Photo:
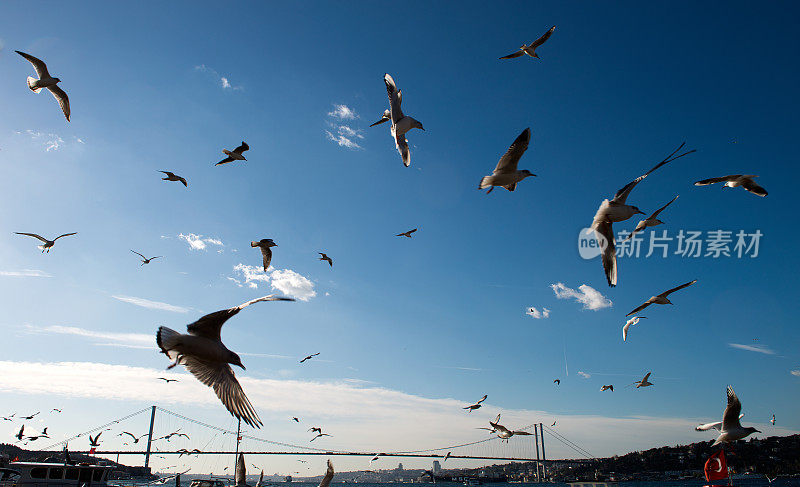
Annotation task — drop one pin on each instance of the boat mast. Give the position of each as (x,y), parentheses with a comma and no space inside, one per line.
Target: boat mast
(150,437)
(238,439)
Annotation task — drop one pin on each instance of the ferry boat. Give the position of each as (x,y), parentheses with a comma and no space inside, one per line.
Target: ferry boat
(36,474)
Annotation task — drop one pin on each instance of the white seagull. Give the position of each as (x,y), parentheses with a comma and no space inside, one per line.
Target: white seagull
(734,180)
(629,324)
(716,425)
(505,174)
(644,382)
(732,430)
(661,298)
(650,221)
(46,81)
(530,49)
(616,210)
(208,359)
(400,123)
(504,433)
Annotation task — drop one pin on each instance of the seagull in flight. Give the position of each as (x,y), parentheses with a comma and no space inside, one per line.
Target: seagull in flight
(400,123)
(324,256)
(235,154)
(309,357)
(145,260)
(446,456)
(617,210)
(208,359)
(31,416)
(732,430)
(644,382)
(661,298)
(171,176)
(734,180)
(55,410)
(505,174)
(607,388)
(504,433)
(554,423)
(315,429)
(21,431)
(168,380)
(377,457)
(266,251)
(387,116)
(326,480)
(133,437)
(716,425)
(46,81)
(475,406)
(557,382)
(771,420)
(406,234)
(319,435)
(530,49)
(629,324)
(650,221)
(95,441)
(295,419)
(8,418)
(47,243)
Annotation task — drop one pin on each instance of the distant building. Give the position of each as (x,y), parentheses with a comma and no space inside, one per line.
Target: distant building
(399,467)
(437,467)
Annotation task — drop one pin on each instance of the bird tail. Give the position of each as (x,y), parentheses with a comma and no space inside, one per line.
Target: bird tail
(31,81)
(484,183)
(167,339)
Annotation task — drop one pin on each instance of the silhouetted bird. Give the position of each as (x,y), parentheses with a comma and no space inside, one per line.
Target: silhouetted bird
(530,49)
(46,81)
(235,155)
(47,243)
(266,252)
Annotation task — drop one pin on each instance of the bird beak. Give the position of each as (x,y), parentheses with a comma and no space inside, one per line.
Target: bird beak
(242,366)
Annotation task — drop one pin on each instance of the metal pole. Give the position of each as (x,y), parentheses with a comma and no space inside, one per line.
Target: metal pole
(536,436)
(544,459)
(150,437)
(238,437)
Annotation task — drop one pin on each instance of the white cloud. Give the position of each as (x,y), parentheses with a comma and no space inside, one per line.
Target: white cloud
(795,373)
(342,140)
(286,281)
(251,274)
(343,112)
(223,81)
(586,295)
(753,348)
(50,141)
(197,242)
(584,374)
(146,303)
(348,132)
(25,273)
(535,313)
(134,340)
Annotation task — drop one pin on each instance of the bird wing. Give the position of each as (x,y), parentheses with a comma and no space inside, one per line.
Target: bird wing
(169,174)
(387,115)
(221,378)
(224,161)
(723,179)
(730,418)
(266,257)
(646,377)
(64,235)
(242,148)
(643,306)
(38,64)
(183,180)
(513,55)
(753,187)
(625,330)
(482,399)
(538,42)
(394,100)
(605,229)
(140,255)
(708,426)
(623,193)
(667,293)
(210,325)
(508,163)
(402,147)
(33,235)
(62,98)
(655,214)
(129,434)
(326,480)
(523,433)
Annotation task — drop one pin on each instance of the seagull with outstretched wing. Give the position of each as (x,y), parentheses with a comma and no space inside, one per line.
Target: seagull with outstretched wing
(736,180)
(650,221)
(661,298)
(530,49)
(145,260)
(505,174)
(171,176)
(48,244)
(235,154)
(46,81)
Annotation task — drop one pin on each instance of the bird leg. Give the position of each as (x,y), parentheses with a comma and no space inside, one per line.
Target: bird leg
(177,361)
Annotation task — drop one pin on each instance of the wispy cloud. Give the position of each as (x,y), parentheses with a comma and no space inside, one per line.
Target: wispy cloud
(753,348)
(198,242)
(286,281)
(795,373)
(343,112)
(535,313)
(224,81)
(111,338)
(250,274)
(49,141)
(146,303)
(586,295)
(583,374)
(25,273)
(342,134)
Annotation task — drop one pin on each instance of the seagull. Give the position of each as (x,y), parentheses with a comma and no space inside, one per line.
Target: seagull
(31,416)
(46,81)
(557,382)
(629,324)
(717,425)
(47,243)
(324,256)
(320,434)
(554,423)
(295,419)
(400,123)
(208,359)
(315,429)
(21,430)
(55,410)
(769,480)
(168,380)
(732,430)
(505,174)
(171,176)
(266,252)
(145,260)
(326,480)
(477,405)
(133,437)
(734,180)
(446,456)
(504,433)
(387,115)
(616,210)
(644,382)
(406,234)
(309,357)
(377,457)
(607,388)
(771,420)
(8,418)
(661,298)
(530,49)
(650,221)
(235,155)
(95,441)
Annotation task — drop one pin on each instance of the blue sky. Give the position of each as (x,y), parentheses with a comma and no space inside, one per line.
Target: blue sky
(435,318)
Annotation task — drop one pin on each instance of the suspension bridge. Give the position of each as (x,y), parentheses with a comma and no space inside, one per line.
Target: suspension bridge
(218,442)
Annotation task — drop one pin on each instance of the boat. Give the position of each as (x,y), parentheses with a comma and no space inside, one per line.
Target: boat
(592,483)
(38,474)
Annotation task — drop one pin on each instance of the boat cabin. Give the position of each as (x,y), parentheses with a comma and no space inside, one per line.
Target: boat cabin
(34,474)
